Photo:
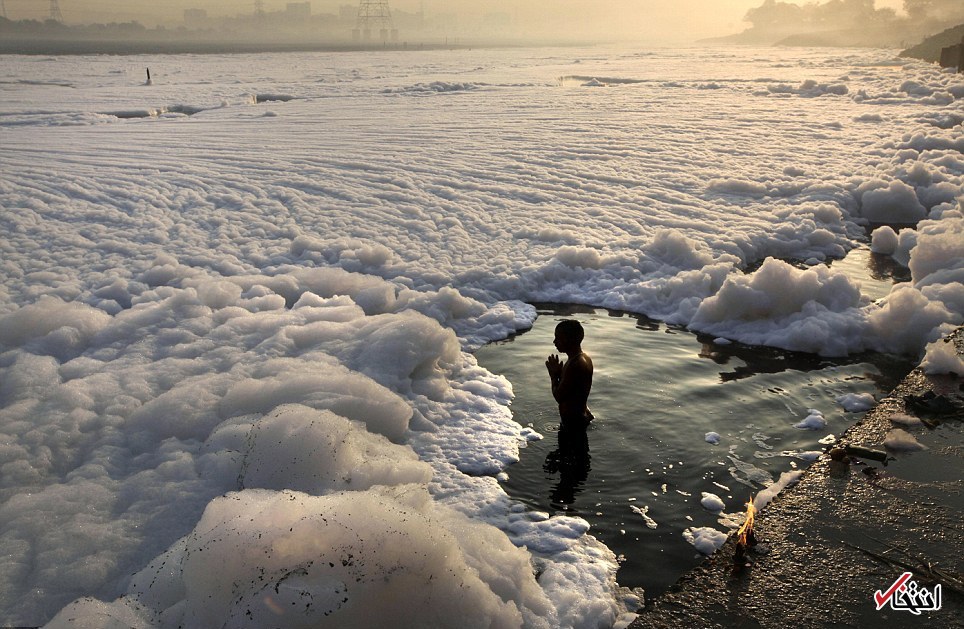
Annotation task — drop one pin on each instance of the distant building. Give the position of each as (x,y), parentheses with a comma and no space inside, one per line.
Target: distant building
(298,10)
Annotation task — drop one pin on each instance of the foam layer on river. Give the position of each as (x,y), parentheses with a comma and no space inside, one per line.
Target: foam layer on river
(264,275)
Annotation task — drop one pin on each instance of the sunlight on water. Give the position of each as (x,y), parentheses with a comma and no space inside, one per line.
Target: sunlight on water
(657,392)
(876,273)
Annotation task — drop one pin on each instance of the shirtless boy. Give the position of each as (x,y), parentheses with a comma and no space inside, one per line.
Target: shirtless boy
(571,381)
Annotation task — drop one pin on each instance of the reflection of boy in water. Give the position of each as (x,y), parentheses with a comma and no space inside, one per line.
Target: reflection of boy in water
(570,387)
(571,381)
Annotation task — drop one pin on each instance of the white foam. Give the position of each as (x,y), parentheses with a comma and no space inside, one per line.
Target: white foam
(705,539)
(884,240)
(712,502)
(900,440)
(810,89)
(156,327)
(904,419)
(298,448)
(643,512)
(747,473)
(942,357)
(857,402)
(433,88)
(907,319)
(355,558)
(893,202)
(813,421)
(766,495)
(63,328)
(811,310)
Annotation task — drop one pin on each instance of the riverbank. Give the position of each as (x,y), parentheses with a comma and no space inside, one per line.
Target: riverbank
(846,531)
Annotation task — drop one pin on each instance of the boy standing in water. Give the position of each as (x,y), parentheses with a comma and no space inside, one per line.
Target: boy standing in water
(571,381)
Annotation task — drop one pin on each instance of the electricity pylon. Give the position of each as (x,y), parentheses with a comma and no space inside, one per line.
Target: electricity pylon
(374,14)
(55,14)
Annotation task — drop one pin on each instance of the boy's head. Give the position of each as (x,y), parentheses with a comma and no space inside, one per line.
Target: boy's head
(569,334)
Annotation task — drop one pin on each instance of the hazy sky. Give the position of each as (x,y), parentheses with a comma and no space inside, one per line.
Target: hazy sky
(659,20)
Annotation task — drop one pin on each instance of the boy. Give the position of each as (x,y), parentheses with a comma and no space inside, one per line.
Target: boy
(571,381)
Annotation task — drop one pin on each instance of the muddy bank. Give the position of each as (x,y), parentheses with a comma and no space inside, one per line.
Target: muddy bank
(848,530)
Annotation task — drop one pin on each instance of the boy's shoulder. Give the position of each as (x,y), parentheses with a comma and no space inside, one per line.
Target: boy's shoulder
(583,359)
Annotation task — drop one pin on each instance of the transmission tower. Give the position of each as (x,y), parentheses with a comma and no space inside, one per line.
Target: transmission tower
(374,14)
(55,14)
(3,10)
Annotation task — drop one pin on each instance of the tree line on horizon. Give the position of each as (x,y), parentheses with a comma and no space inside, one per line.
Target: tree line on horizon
(845,23)
(844,14)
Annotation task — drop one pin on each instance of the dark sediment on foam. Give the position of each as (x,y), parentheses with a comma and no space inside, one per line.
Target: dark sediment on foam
(846,531)
(601,79)
(273,98)
(187,110)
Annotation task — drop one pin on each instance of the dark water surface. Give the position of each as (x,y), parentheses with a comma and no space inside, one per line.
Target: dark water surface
(657,391)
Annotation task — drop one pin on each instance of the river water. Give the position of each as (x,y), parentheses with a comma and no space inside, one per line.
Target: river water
(657,391)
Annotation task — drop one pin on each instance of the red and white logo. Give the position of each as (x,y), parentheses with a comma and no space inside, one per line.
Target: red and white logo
(905,595)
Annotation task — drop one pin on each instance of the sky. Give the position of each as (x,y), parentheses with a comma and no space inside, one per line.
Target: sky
(669,20)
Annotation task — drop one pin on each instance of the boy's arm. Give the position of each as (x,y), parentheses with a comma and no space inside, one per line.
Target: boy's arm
(555,368)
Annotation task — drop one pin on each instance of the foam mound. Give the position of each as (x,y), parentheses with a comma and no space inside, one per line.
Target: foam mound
(779,305)
(356,559)
(942,357)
